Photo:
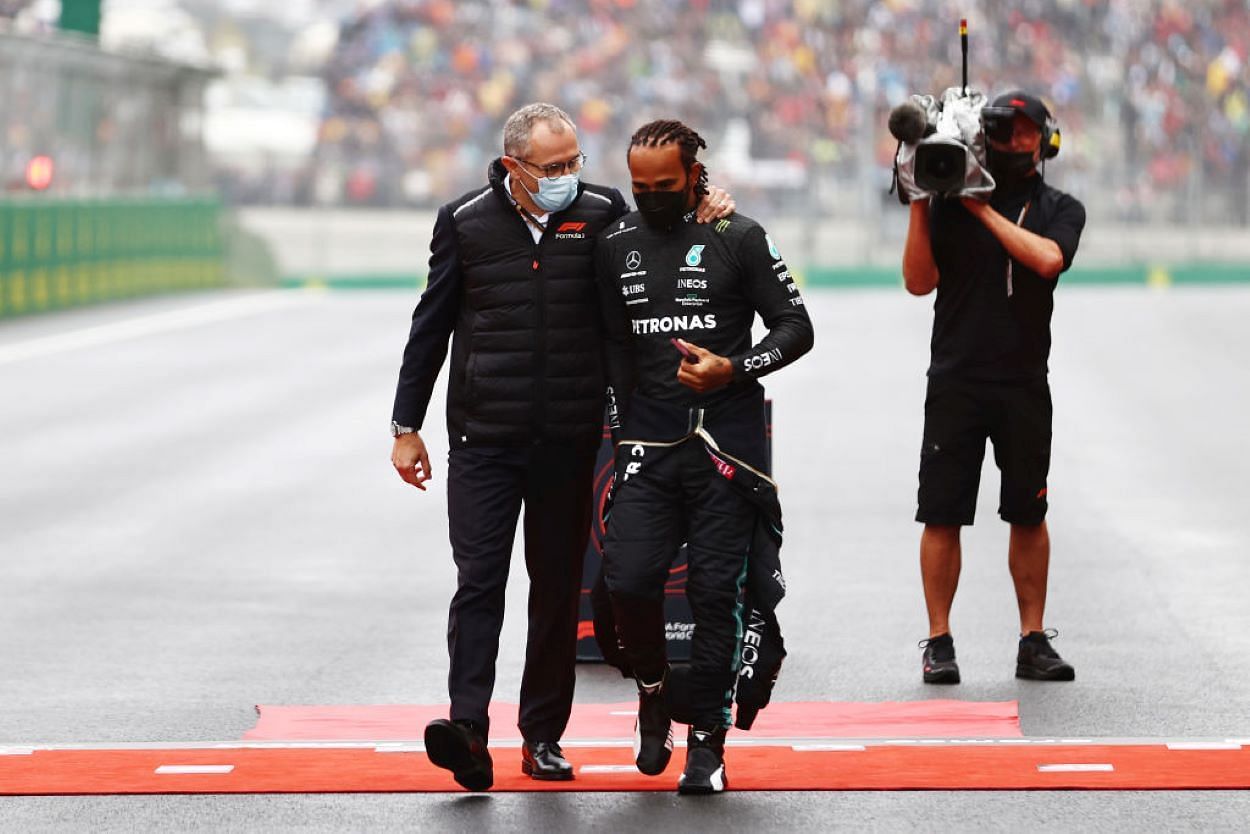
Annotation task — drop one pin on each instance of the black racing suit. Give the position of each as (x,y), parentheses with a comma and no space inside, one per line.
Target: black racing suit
(678,450)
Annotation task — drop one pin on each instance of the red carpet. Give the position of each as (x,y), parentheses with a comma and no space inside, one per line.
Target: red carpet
(938,745)
(992,766)
(921,719)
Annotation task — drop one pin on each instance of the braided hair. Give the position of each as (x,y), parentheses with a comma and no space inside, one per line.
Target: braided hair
(667,132)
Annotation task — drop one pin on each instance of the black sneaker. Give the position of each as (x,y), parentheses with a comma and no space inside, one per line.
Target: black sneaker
(939,659)
(460,746)
(705,762)
(1037,660)
(653,731)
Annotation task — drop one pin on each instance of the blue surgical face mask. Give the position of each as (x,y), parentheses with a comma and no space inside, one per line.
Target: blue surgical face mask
(557,194)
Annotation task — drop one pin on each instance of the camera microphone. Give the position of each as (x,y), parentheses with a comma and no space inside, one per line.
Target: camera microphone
(908,123)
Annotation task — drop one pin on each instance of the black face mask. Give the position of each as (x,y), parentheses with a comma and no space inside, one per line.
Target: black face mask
(661,209)
(1010,167)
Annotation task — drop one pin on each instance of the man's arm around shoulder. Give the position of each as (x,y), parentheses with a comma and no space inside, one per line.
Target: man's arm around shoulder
(617,347)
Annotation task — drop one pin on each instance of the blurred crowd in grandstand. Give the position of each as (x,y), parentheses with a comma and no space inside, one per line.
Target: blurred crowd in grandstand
(1153,95)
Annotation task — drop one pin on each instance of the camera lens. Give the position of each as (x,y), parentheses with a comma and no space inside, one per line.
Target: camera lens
(940,166)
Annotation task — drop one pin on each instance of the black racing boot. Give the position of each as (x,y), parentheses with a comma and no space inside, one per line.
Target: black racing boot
(653,731)
(1037,660)
(705,762)
(460,746)
(939,659)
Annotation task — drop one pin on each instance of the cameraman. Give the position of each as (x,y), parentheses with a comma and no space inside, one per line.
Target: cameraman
(995,266)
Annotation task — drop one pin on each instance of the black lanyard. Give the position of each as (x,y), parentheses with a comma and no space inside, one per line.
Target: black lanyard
(529,218)
(524,212)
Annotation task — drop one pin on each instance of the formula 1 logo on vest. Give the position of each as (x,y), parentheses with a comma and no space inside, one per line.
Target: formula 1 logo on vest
(571,230)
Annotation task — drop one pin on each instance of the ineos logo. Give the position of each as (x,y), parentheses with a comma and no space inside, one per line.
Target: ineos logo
(752,640)
(633,260)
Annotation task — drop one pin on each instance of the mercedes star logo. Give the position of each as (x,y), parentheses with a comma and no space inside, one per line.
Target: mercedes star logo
(633,260)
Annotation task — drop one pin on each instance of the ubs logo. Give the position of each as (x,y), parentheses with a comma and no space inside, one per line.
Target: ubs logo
(633,260)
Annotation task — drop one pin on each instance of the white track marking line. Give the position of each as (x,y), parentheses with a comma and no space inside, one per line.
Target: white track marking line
(630,712)
(1075,768)
(103,334)
(17,751)
(188,770)
(607,769)
(503,744)
(828,748)
(264,745)
(399,748)
(1203,745)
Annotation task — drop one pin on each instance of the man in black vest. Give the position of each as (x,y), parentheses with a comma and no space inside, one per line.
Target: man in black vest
(511,279)
(994,265)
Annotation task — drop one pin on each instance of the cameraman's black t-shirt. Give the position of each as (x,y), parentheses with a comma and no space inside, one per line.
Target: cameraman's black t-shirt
(980,329)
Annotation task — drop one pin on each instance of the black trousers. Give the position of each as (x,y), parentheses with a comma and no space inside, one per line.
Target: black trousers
(486,488)
(671,496)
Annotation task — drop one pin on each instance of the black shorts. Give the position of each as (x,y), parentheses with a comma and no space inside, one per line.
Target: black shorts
(958,416)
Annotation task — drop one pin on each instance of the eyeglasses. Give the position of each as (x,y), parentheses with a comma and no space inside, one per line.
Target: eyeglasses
(558,169)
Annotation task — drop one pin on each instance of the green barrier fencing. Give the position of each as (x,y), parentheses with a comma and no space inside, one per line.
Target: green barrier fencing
(57,253)
(363,281)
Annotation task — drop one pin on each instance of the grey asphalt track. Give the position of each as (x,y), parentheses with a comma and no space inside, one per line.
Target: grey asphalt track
(197,515)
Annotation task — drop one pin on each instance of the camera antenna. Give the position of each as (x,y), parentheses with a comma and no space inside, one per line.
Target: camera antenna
(963,45)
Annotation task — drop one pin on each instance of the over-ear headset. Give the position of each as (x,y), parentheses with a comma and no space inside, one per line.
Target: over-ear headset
(1051,137)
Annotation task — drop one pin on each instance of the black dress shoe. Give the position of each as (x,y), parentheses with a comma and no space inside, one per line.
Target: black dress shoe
(460,746)
(545,760)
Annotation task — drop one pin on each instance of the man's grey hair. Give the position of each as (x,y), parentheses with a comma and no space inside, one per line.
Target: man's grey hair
(520,126)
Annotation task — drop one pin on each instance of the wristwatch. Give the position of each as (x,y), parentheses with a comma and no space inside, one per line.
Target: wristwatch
(397,429)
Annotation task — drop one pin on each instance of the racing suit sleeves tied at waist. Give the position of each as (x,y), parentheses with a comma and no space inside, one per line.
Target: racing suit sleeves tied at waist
(736,424)
(734,434)
(762,649)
